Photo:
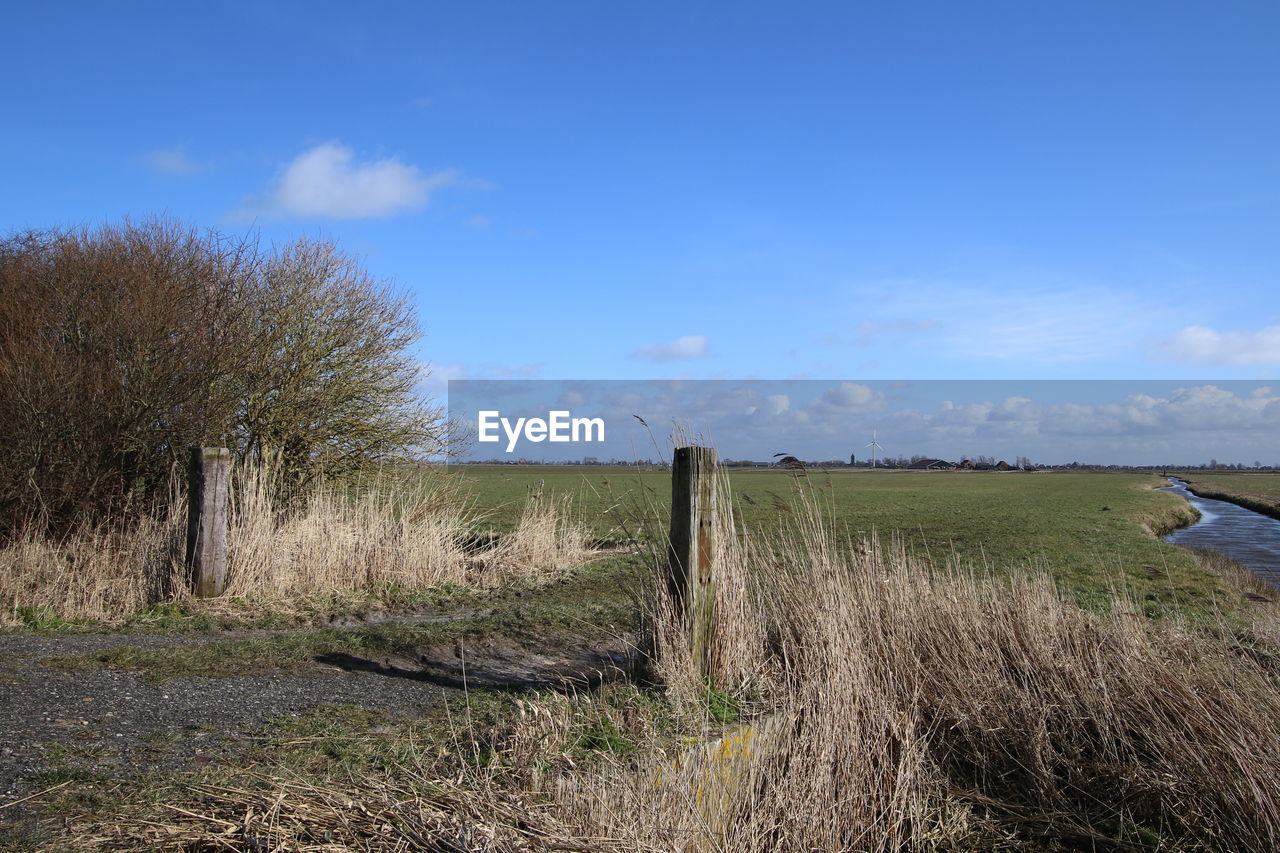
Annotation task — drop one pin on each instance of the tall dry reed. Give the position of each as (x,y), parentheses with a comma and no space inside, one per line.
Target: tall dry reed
(103,571)
(385,535)
(899,707)
(388,537)
(549,537)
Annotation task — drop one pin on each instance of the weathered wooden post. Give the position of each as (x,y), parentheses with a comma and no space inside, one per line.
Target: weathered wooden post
(207,520)
(692,558)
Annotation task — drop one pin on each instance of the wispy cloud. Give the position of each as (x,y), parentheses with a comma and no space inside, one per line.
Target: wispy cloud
(172,161)
(326,182)
(1025,321)
(435,377)
(1204,345)
(690,346)
(478,221)
(524,371)
(869,331)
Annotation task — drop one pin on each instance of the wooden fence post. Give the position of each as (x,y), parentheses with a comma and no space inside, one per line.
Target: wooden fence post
(209,474)
(692,558)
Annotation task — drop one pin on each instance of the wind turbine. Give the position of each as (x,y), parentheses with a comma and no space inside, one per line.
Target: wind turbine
(874,445)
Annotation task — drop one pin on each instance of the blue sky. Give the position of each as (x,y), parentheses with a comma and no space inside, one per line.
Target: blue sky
(857,191)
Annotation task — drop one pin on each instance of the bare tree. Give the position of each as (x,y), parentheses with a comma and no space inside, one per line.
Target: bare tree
(328,381)
(122,345)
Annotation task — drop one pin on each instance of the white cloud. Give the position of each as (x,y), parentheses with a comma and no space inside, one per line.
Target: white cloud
(478,221)
(869,330)
(851,395)
(1203,345)
(325,182)
(172,161)
(690,346)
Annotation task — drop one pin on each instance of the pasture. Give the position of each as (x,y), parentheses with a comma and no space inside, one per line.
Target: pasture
(1090,531)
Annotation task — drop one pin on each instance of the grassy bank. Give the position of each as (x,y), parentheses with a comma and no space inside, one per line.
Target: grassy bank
(899,707)
(404,539)
(1259,492)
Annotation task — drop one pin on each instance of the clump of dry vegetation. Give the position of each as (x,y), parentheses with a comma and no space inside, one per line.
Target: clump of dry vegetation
(386,537)
(902,708)
(549,537)
(100,571)
(404,809)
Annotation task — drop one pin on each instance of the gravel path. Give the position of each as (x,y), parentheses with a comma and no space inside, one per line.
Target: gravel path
(113,721)
(118,720)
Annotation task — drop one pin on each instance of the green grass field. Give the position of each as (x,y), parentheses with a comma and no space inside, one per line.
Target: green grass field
(1087,529)
(1256,491)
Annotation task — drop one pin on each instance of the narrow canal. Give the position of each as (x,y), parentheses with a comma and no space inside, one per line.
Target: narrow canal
(1248,537)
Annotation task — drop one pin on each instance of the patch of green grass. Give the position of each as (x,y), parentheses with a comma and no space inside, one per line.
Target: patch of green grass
(24,837)
(228,658)
(61,755)
(602,735)
(722,706)
(45,620)
(1091,531)
(1258,491)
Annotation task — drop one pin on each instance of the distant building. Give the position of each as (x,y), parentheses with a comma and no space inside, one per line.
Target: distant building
(931,465)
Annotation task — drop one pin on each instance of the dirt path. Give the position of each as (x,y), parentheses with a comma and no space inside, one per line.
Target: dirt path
(115,722)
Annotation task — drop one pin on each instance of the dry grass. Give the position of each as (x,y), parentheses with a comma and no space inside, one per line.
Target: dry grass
(385,539)
(899,708)
(887,706)
(100,572)
(340,542)
(548,538)
(405,810)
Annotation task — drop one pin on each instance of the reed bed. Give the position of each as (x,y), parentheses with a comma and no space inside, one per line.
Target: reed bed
(883,705)
(387,538)
(899,707)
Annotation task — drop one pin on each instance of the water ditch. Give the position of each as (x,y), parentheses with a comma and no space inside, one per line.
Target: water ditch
(1250,538)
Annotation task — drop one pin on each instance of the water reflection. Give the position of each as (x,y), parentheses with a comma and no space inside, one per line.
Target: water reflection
(1249,538)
